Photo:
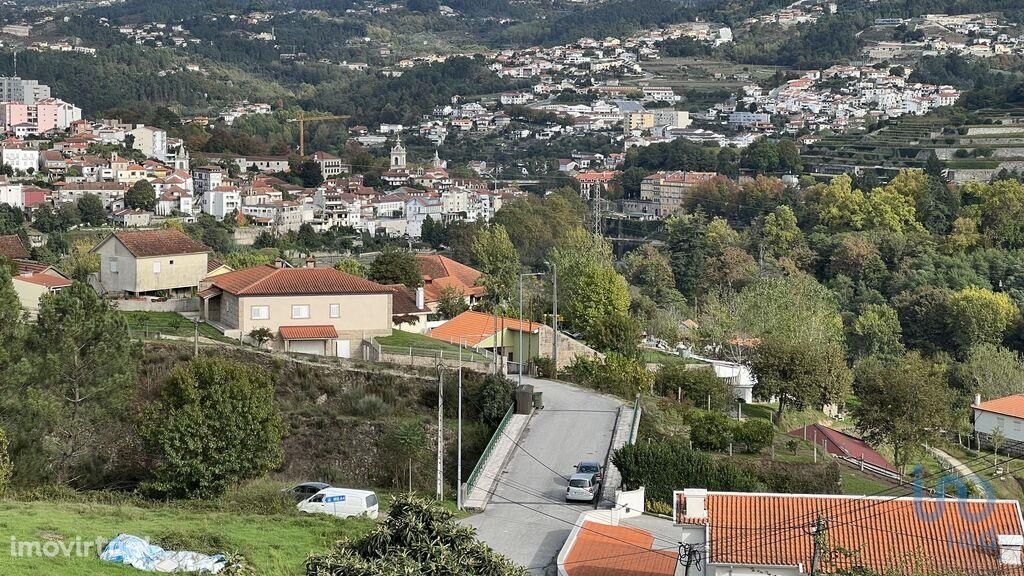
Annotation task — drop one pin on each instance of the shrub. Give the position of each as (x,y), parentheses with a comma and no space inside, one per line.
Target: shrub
(697,385)
(795,477)
(755,434)
(662,467)
(496,395)
(617,374)
(214,425)
(545,367)
(658,507)
(710,430)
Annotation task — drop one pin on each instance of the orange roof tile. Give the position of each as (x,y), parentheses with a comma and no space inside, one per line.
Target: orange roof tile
(48,280)
(308,332)
(267,280)
(471,327)
(440,271)
(1007,406)
(603,550)
(882,532)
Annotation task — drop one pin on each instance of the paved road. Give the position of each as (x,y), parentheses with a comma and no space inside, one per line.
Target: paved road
(527,518)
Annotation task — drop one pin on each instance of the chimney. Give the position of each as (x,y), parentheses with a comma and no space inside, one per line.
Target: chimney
(1009,549)
(419,298)
(693,503)
(977,399)
(310,261)
(279,263)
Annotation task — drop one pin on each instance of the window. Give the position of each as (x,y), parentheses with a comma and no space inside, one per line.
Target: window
(335,310)
(171,262)
(300,311)
(113,264)
(317,498)
(156,267)
(259,313)
(371,500)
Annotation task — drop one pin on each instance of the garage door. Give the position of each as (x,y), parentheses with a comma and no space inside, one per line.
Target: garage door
(307,346)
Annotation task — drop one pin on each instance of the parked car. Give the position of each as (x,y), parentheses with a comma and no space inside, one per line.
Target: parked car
(341,502)
(591,467)
(302,491)
(581,488)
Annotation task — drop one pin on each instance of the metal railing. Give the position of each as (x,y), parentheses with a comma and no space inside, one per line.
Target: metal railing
(435,353)
(471,481)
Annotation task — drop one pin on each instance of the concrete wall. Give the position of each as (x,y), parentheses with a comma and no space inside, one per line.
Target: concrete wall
(568,349)
(430,362)
(178,271)
(29,295)
(111,250)
(173,305)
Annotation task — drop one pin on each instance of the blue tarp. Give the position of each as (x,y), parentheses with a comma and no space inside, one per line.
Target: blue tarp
(136,552)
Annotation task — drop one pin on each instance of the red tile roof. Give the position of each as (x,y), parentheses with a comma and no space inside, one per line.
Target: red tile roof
(308,332)
(169,242)
(1007,406)
(842,444)
(404,301)
(603,550)
(884,533)
(440,271)
(267,280)
(12,247)
(472,327)
(47,280)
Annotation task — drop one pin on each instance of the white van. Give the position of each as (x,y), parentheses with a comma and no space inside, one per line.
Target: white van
(341,502)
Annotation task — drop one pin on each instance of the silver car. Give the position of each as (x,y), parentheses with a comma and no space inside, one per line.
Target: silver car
(581,488)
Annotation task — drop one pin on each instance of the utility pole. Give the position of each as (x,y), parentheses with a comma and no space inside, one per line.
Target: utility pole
(554,316)
(819,533)
(458,473)
(689,556)
(440,431)
(521,356)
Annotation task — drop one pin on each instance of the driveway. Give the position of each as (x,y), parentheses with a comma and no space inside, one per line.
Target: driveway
(527,518)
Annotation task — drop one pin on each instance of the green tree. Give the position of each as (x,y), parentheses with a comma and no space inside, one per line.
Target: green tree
(615,332)
(839,206)
(688,251)
(214,425)
(799,376)
(904,403)
(433,232)
(499,268)
(141,196)
(69,216)
(924,318)
(782,235)
(589,288)
(992,371)
(351,266)
(875,332)
(92,210)
(395,266)
(249,258)
(261,336)
(80,262)
(650,271)
(978,316)
(710,430)
(307,239)
(82,366)
(451,302)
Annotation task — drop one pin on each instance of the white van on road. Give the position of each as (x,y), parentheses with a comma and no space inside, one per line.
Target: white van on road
(341,502)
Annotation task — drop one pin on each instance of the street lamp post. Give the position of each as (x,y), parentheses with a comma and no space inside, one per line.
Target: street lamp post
(521,277)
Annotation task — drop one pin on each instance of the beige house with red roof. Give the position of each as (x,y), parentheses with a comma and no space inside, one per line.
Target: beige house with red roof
(752,534)
(318,311)
(440,272)
(151,262)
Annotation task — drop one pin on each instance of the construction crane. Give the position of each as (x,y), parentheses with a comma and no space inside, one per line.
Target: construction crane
(302,119)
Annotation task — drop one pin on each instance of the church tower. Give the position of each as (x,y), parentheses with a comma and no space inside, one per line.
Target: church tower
(398,156)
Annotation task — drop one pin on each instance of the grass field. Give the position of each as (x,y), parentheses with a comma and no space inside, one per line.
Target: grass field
(273,545)
(147,325)
(425,344)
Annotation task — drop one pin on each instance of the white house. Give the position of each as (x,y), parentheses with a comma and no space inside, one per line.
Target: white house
(222,201)
(739,377)
(20,158)
(1005,415)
